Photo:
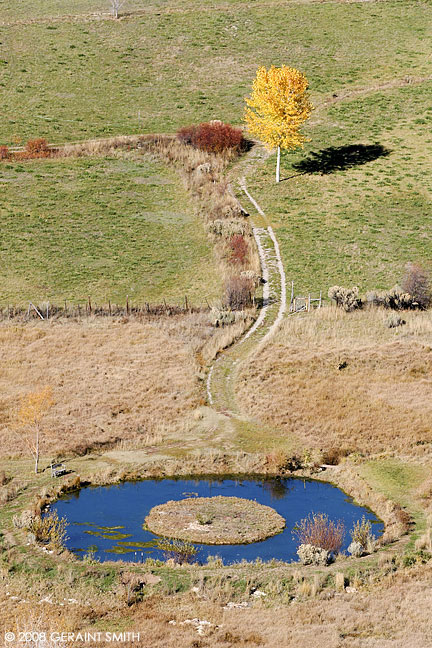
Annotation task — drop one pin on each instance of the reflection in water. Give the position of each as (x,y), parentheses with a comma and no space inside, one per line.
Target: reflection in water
(117,515)
(277,487)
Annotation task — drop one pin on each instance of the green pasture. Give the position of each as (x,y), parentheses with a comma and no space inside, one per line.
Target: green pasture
(68,76)
(353,207)
(182,62)
(100,227)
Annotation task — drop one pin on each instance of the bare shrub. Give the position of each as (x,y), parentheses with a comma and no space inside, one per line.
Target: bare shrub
(181,551)
(346,298)
(417,284)
(318,530)
(213,137)
(238,293)
(49,529)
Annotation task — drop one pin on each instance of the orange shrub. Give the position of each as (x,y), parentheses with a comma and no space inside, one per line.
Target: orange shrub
(36,148)
(4,153)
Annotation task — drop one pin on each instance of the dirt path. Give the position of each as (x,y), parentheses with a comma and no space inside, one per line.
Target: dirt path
(222,374)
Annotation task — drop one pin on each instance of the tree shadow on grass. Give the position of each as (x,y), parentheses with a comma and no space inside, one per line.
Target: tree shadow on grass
(338,158)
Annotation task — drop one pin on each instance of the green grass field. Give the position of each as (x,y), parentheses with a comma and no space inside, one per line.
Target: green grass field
(172,65)
(68,76)
(356,215)
(101,227)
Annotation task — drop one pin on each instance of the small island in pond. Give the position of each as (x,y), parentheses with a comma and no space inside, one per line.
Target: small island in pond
(215,520)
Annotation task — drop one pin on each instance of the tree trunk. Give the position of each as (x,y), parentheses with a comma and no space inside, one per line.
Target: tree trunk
(278,165)
(37,452)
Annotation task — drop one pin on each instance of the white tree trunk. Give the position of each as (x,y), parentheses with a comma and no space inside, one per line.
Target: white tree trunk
(278,165)
(37,452)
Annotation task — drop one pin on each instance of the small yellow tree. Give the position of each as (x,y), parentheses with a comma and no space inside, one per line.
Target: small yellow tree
(278,106)
(32,409)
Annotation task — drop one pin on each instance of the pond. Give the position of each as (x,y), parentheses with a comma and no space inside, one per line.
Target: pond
(108,520)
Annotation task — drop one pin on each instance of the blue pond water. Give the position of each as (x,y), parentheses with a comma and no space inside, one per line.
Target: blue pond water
(109,520)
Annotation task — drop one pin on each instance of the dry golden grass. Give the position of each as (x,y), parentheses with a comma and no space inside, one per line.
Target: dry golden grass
(394,614)
(112,380)
(381,400)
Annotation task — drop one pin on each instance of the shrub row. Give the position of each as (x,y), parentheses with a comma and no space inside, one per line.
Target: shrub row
(415,293)
(35,149)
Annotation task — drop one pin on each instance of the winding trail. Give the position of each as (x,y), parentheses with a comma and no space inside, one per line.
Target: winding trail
(222,374)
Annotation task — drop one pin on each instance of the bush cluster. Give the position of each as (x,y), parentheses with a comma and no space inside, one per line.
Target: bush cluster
(394,299)
(415,293)
(318,530)
(310,555)
(346,298)
(227,228)
(212,137)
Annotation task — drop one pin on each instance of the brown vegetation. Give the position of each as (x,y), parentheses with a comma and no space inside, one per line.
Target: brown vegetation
(318,530)
(213,137)
(112,380)
(333,381)
(395,613)
(215,520)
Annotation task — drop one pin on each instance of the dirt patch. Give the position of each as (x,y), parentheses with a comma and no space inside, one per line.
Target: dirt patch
(215,520)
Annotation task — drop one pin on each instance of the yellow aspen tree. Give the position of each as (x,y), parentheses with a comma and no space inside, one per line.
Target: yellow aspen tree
(32,409)
(279,104)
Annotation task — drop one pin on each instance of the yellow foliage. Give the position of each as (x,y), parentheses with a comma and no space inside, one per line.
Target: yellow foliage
(278,106)
(30,414)
(34,405)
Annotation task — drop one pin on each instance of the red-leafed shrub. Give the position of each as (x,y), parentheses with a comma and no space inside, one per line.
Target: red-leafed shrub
(318,530)
(38,148)
(4,153)
(239,249)
(238,293)
(213,137)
